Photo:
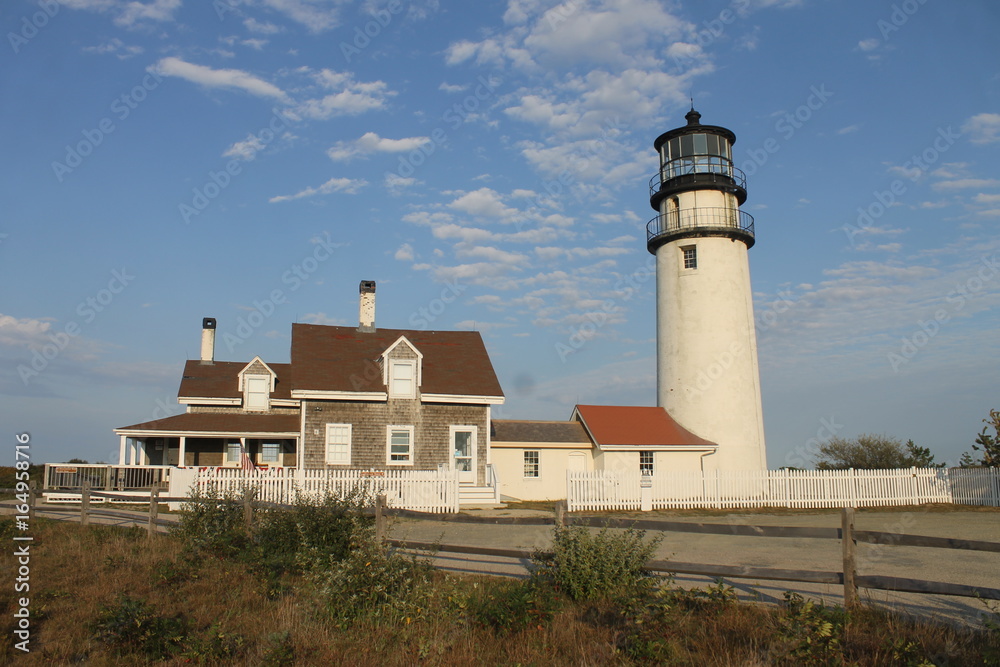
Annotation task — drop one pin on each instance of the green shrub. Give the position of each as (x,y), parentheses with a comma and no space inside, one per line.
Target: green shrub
(811,632)
(597,566)
(374,583)
(316,529)
(280,652)
(218,646)
(130,625)
(212,523)
(511,606)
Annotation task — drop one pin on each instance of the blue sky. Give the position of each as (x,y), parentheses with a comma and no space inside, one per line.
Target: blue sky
(487,164)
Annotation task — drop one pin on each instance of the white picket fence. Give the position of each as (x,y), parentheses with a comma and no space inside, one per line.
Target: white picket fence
(623,490)
(419,490)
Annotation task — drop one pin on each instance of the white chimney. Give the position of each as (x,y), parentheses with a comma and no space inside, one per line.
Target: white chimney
(367,306)
(208,340)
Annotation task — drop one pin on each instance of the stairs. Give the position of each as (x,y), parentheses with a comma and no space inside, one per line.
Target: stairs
(477,497)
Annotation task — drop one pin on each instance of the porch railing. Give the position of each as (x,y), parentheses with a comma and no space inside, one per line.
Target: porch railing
(109,477)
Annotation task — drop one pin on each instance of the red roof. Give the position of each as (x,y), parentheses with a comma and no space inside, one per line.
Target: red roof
(221,422)
(221,379)
(632,426)
(329,358)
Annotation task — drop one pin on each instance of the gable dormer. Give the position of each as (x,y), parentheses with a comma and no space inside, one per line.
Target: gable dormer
(256,383)
(402,369)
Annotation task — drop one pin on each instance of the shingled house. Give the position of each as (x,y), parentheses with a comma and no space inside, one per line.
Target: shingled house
(351,398)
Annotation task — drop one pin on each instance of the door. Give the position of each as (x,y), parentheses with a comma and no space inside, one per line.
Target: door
(463,448)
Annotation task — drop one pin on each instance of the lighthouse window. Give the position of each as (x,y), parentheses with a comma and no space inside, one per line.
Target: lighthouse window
(690,257)
(700,144)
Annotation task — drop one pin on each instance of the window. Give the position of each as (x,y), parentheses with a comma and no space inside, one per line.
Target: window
(270,453)
(258,389)
(645,463)
(338,444)
(402,379)
(690,257)
(399,443)
(233,453)
(531,463)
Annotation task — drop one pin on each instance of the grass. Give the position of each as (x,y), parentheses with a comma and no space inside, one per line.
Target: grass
(104,595)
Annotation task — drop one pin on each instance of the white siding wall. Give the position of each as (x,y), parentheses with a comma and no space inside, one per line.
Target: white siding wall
(551,481)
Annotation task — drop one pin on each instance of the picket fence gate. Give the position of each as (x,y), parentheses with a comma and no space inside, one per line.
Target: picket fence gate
(624,490)
(419,490)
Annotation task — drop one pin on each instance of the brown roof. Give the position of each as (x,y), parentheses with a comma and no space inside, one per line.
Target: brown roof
(632,426)
(220,379)
(328,358)
(221,422)
(514,430)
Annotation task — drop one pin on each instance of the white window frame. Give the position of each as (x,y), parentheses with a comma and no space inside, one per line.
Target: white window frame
(651,464)
(694,257)
(389,430)
(349,444)
(266,394)
(264,446)
(226,463)
(537,463)
(412,365)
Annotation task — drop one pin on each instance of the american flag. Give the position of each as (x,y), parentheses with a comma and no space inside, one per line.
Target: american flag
(246,463)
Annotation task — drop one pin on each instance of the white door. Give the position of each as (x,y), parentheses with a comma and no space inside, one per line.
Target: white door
(463,447)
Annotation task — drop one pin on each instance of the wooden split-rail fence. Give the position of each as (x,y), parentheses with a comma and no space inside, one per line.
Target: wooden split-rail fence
(848,576)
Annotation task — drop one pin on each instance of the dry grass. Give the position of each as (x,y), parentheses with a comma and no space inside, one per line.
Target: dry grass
(76,571)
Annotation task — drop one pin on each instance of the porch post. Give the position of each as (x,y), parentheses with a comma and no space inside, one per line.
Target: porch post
(121,450)
(180,450)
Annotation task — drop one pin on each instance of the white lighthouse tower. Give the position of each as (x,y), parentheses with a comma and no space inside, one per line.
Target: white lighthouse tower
(707,374)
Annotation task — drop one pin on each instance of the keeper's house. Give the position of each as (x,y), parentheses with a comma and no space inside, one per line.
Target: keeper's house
(351,398)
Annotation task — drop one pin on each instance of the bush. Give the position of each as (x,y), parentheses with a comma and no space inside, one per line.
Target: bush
(812,632)
(129,625)
(317,529)
(597,566)
(374,583)
(213,523)
(512,606)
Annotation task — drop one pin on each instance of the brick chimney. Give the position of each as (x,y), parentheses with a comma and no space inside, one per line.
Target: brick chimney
(366,309)
(208,340)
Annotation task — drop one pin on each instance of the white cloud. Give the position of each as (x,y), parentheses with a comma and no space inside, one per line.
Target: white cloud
(116,47)
(349,99)
(404,253)
(965,183)
(984,128)
(315,16)
(869,44)
(158,10)
(395,183)
(483,202)
(246,149)
(370,142)
(345,185)
(261,28)
(218,78)
(986,199)
(449,88)
(849,129)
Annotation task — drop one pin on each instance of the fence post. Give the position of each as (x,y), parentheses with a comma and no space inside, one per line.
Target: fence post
(560,513)
(85,504)
(247,507)
(380,518)
(32,498)
(154,508)
(847,534)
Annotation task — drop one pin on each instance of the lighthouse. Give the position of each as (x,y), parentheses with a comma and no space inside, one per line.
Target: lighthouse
(707,373)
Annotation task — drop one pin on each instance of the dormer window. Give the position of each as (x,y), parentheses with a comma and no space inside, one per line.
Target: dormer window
(257,381)
(403,379)
(257,392)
